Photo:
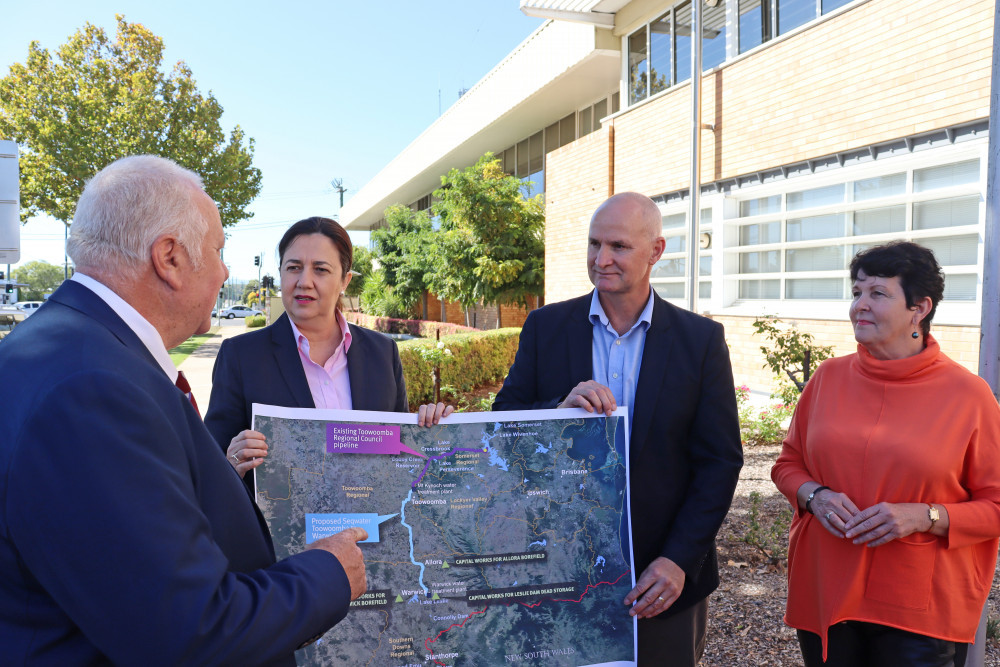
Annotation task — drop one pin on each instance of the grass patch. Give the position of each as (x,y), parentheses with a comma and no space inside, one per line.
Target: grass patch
(184,350)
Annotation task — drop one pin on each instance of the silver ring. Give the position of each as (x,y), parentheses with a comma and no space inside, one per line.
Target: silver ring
(827,515)
(236,458)
(660,598)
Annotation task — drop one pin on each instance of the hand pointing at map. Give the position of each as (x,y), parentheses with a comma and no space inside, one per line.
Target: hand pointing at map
(344,545)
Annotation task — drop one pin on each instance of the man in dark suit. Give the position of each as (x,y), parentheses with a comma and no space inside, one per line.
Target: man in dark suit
(125,536)
(623,345)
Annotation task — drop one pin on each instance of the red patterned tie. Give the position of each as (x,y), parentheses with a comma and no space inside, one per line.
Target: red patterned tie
(183,385)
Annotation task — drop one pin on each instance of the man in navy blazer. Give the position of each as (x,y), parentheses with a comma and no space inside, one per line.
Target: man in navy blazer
(125,536)
(623,345)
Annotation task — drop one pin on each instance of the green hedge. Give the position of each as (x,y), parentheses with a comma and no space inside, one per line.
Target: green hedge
(477,359)
(255,321)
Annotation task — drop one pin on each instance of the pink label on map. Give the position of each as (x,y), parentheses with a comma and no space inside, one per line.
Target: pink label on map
(366,439)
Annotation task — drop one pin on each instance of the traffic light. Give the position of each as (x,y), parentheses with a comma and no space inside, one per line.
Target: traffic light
(256,260)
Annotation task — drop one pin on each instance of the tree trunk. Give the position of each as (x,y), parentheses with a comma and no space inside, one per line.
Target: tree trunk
(423,299)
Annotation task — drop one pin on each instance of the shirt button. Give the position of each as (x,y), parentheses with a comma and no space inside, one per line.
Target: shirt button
(615,376)
(618,342)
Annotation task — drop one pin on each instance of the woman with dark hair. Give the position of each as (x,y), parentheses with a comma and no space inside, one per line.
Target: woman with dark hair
(892,463)
(310,357)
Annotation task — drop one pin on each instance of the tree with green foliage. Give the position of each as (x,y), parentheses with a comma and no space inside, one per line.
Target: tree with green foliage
(378,299)
(250,289)
(41,277)
(361,264)
(402,248)
(491,246)
(96,100)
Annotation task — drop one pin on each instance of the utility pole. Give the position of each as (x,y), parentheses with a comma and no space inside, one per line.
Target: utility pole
(338,186)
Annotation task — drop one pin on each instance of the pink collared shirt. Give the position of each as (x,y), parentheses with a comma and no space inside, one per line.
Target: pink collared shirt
(329,384)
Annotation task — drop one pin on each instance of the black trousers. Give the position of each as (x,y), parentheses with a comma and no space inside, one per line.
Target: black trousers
(859,644)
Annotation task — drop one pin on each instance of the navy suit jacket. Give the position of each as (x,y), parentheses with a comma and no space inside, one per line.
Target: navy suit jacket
(125,536)
(263,366)
(685,453)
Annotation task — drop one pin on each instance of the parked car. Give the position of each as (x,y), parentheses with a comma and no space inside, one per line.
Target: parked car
(28,307)
(240,311)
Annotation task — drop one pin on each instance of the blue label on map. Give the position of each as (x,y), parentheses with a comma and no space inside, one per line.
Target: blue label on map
(319,526)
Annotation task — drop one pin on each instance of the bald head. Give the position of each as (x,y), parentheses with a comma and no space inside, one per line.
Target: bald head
(641,212)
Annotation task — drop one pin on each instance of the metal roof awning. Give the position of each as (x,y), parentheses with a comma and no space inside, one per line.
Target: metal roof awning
(600,13)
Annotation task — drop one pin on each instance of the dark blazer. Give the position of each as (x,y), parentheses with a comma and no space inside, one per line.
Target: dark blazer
(125,536)
(684,453)
(264,367)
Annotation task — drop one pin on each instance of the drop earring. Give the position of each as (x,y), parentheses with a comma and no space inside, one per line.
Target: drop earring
(915,335)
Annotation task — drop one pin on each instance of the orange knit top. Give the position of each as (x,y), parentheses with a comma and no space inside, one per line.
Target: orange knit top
(920,429)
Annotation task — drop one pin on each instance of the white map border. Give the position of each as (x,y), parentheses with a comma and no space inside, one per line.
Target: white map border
(375,417)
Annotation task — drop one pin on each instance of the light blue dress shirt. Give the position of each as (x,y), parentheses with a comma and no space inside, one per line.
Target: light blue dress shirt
(617,359)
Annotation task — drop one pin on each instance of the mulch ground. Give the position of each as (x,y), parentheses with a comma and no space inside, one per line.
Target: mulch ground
(745,626)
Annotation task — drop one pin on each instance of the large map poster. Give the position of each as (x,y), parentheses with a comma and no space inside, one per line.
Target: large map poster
(493,537)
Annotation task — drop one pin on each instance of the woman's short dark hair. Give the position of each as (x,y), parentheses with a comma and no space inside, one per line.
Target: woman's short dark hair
(918,271)
(328,228)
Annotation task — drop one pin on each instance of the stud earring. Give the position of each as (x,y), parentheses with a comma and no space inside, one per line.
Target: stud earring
(915,335)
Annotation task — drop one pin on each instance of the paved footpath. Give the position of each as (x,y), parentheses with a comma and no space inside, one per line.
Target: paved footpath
(198,366)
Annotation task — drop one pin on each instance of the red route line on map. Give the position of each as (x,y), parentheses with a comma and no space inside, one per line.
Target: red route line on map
(429,641)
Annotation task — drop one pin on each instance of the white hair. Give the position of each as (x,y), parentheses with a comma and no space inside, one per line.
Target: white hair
(127,205)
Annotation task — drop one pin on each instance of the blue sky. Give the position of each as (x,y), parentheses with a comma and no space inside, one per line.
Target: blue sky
(327,89)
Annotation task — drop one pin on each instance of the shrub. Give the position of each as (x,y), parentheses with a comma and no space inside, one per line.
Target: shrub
(768,530)
(477,359)
(422,328)
(761,427)
(255,321)
(784,353)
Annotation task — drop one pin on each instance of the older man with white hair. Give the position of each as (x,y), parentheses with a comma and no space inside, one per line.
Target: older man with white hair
(125,536)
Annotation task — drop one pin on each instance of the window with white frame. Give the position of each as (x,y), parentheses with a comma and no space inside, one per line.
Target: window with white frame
(669,275)
(796,245)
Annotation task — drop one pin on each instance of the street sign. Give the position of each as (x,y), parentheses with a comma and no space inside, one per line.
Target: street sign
(10,209)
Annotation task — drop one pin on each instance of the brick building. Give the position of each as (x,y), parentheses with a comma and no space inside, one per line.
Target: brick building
(828,126)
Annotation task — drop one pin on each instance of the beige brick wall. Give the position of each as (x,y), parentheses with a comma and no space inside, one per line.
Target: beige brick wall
(959,343)
(576,183)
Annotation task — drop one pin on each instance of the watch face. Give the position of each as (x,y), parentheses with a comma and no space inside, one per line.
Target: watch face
(933,513)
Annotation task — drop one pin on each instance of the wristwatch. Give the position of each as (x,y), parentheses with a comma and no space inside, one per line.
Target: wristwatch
(933,514)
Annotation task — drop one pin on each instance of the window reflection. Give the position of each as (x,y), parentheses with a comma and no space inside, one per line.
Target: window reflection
(637,66)
(793,13)
(659,54)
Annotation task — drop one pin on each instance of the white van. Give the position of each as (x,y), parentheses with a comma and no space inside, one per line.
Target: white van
(29,306)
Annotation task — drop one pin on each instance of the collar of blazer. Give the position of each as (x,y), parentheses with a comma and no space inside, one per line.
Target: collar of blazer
(286,356)
(74,295)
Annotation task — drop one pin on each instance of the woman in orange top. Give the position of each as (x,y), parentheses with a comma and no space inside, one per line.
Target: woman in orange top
(892,462)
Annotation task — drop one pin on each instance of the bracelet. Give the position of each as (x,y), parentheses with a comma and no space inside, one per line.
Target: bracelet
(813,495)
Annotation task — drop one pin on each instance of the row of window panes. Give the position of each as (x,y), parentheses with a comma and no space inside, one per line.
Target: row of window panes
(935,214)
(924,180)
(590,117)
(949,251)
(526,159)
(675,290)
(659,53)
(759,20)
(957,287)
